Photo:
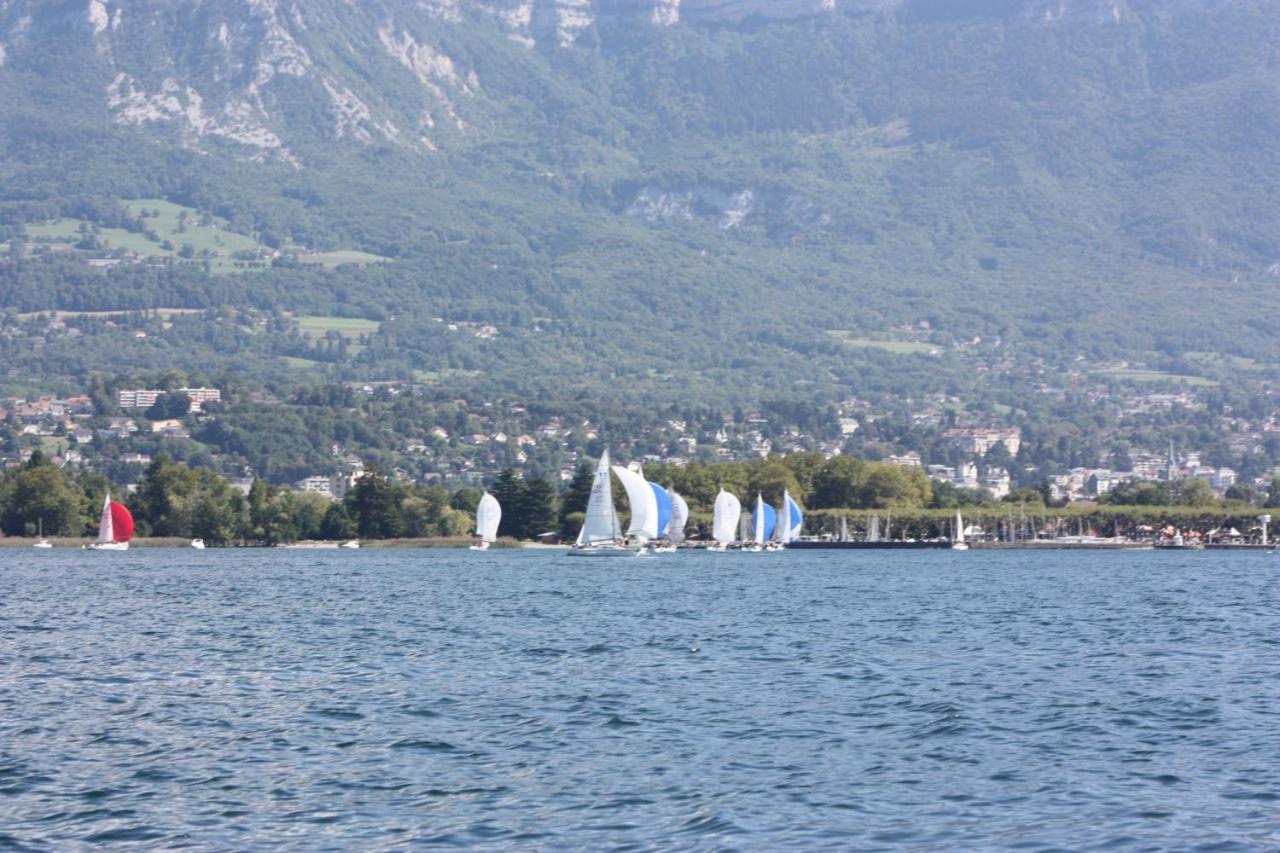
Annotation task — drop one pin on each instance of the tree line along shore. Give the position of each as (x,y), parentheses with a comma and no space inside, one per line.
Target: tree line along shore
(174,503)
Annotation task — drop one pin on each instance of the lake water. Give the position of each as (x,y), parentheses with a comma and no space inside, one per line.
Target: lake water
(375,699)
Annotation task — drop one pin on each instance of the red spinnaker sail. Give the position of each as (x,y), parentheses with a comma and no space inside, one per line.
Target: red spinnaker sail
(121,522)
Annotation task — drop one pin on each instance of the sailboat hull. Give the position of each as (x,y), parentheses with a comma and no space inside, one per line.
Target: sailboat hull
(602,551)
(109,546)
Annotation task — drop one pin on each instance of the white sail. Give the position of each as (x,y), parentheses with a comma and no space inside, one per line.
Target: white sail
(601,523)
(783,530)
(873,532)
(757,535)
(679,518)
(744,527)
(488,517)
(644,504)
(844,529)
(724,524)
(957,535)
(106,528)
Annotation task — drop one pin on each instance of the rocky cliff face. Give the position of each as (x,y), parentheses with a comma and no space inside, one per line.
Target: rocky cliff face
(227,72)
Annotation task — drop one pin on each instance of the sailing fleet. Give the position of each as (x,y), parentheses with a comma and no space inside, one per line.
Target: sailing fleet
(658,519)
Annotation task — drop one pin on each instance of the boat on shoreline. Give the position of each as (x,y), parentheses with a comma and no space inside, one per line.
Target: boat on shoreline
(41,542)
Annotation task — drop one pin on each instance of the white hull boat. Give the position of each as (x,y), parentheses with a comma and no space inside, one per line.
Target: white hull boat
(115,527)
(603,551)
(601,534)
(42,543)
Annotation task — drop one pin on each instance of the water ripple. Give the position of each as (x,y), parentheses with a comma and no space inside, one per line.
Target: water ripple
(390,699)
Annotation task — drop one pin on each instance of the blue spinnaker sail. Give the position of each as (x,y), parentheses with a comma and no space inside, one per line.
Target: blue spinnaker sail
(664,508)
(770,521)
(796,519)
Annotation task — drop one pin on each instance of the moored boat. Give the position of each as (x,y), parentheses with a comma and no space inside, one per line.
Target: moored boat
(41,542)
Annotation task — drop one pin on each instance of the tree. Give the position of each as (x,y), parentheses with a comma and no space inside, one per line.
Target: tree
(465,500)
(171,404)
(38,495)
(888,485)
(579,492)
(338,523)
(1192,493)
(509,489)
(770,478)
(836,484)
(539,509)
(374,503)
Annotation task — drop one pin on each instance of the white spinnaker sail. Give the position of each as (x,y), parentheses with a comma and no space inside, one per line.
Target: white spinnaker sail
(679,517)
(106,527)
(488,516)
(601,523)
(724,524)
(644,504)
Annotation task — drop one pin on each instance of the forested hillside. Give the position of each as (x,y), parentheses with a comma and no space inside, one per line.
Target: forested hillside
(639,201)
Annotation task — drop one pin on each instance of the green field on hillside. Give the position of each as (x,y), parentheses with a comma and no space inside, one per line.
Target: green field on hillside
(1132,374)
(186,236)
(898,347)
(329,260)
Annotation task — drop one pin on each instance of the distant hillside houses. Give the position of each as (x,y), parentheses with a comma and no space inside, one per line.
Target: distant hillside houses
(979,440)
(145,398)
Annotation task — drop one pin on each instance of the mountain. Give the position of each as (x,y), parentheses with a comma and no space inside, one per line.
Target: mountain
(641,197)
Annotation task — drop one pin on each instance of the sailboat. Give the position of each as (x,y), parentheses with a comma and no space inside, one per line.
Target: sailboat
(115,527)
(763,521)
(488,516)
(643,528)
(601,534)
(790,520)
(724,521)
(41,542)
(957,535)
(665,509)
(679,518)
